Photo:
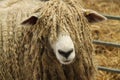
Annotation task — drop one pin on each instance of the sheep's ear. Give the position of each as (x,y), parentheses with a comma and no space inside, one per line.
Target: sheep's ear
(30,21)
(93,16)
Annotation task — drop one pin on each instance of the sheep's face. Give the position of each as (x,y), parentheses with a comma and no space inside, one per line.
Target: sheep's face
(63,46)
(64,49)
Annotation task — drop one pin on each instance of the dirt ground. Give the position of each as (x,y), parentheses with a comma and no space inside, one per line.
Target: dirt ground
(108,31)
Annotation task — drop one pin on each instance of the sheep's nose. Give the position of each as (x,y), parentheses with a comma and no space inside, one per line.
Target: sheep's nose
(64,53)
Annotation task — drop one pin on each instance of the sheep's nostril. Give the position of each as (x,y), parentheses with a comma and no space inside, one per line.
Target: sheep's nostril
(65,53)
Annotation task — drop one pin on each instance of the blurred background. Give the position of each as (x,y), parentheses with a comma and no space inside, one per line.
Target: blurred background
(108,31)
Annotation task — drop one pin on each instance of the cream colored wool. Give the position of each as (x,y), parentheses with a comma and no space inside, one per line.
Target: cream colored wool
(26,53)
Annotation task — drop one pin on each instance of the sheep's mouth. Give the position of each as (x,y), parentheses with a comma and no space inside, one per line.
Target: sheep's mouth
(67,61)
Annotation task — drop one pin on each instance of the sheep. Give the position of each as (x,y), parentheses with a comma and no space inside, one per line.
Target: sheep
(46,40)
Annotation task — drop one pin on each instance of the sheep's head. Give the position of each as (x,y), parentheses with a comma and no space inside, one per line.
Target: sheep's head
(64,46)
